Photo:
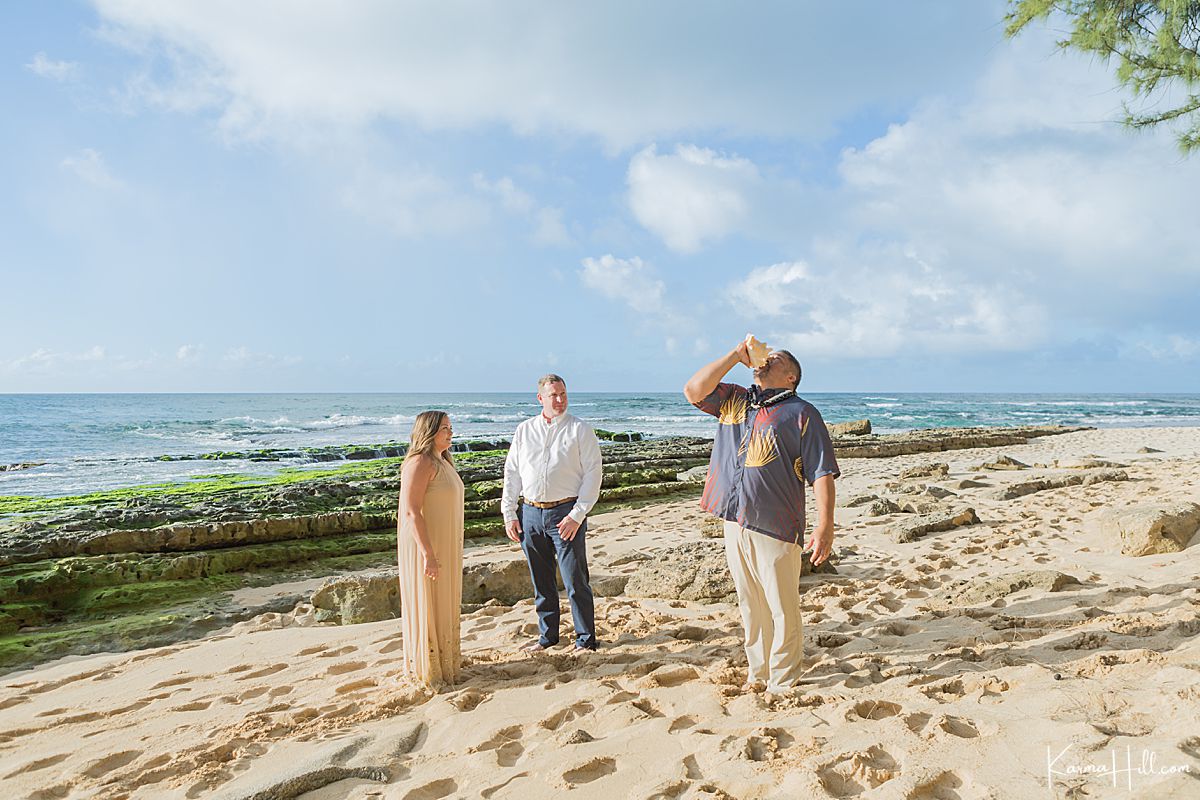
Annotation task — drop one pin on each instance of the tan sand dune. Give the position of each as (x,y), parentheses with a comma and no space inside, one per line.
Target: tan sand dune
(968,663)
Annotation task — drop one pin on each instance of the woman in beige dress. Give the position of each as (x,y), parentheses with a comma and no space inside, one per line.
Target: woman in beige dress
(430,544)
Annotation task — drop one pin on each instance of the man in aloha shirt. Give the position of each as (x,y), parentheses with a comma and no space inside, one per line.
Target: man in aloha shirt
(769,443)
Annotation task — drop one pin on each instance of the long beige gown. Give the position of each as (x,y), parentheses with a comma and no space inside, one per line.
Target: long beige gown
(429,609)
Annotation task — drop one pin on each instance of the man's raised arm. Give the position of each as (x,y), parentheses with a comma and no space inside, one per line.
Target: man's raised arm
(701,385)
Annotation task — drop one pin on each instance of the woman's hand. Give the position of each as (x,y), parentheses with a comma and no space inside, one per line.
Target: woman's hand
(432,568)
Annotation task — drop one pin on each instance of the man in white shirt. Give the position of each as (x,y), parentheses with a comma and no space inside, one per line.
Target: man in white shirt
(551,481)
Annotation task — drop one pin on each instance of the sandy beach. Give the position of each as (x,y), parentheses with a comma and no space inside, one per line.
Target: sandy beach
(1020,656)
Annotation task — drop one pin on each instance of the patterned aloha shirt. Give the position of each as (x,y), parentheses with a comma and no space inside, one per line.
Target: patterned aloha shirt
(761,458)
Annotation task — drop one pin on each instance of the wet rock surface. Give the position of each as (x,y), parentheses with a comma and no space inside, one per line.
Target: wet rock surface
(74,570)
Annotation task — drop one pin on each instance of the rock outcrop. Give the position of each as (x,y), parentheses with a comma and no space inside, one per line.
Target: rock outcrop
(912,530)
(1001,463)
(1153,529)
(988,589)
(936,440)
(351,599)
(855,427)
(1087,478)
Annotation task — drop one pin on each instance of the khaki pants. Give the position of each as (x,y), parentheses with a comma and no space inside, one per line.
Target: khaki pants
(766,573)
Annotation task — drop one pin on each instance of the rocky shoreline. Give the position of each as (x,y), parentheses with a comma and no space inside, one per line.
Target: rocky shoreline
(152,564)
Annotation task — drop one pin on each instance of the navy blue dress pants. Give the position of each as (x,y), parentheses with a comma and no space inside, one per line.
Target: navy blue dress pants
(545,551)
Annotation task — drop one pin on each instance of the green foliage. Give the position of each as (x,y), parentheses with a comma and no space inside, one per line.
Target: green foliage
(1156,45)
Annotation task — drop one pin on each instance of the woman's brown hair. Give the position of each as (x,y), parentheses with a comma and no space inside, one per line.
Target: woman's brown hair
(424,429)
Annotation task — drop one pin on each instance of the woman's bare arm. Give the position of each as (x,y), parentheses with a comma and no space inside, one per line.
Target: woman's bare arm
(414,480)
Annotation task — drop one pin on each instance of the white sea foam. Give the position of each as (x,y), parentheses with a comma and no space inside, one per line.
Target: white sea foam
(1069,403)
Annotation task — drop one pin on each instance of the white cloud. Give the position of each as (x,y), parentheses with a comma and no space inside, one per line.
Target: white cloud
(624,73)
(45,67)
(413,205)
(1032,174)
(548,227)
(630,281)
(44,360)
(188,352)
(88,165)
(550,230)
(1016,220)
(510,197)
(1170,348)
(691,197)
(1184,347)
(769,291)
(244,356)
(884,302)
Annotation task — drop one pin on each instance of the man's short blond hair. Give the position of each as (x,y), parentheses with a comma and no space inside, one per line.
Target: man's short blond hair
(550,378)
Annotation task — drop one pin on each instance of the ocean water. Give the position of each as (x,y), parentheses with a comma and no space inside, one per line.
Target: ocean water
(100,441)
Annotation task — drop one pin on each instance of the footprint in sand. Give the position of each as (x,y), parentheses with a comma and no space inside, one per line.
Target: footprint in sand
(852,774)
(310,651)
(264,672)
(468,699)
(107,764)
(341,651)
(943,787)
(589,771)
(347,666)
(433,791)
(647,707)
(54,712)
(671,675)
(391,647)
(917,721)
(564,715)
(173,682)
(900,628)
(505,743)
(768,744)
(41,763)
(154,654)
(39,688)
(55,792)
(357,686)
(873,710)
(199,705)
(958,726)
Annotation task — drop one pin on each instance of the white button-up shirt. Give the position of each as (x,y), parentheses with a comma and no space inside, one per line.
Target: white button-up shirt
(553,461)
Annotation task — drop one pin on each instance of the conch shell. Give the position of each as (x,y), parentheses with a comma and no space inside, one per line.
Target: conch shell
(758,351)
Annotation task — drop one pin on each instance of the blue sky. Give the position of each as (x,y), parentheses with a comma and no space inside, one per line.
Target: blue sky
(375,196)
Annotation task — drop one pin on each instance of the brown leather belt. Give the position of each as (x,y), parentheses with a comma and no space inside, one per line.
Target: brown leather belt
(551,504)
